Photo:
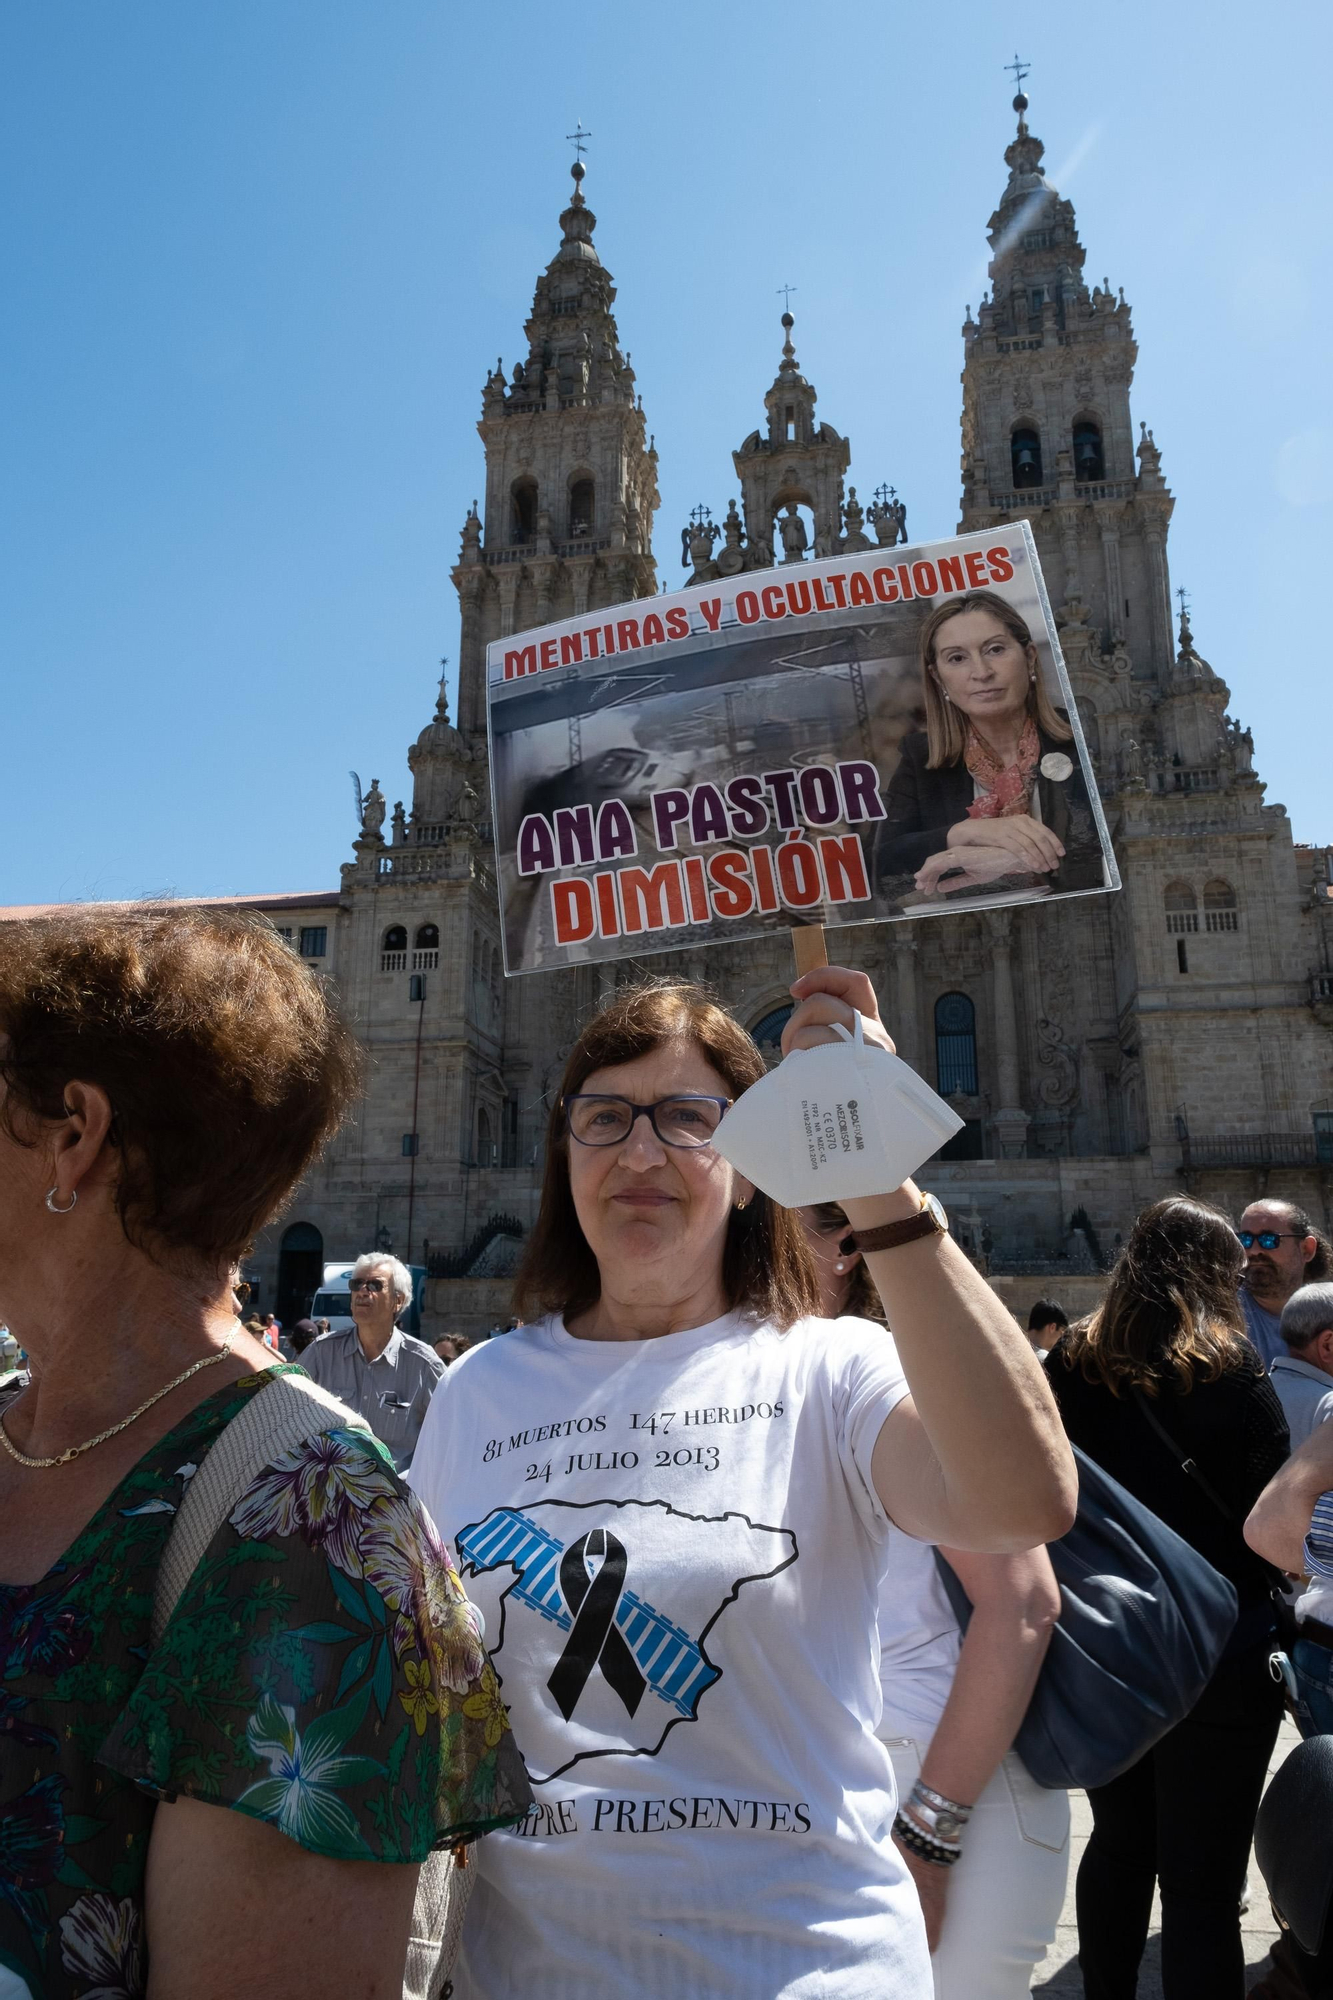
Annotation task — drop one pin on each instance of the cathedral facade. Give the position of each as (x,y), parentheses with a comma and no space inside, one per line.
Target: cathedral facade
(1103,1051)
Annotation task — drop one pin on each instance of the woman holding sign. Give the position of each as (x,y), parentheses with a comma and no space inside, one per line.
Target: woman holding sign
(671,1496)
(991,788)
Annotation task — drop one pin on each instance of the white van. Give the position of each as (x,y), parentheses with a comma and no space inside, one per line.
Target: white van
(333,1301)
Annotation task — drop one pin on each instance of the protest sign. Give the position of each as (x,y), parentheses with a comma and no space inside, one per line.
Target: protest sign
(769,750)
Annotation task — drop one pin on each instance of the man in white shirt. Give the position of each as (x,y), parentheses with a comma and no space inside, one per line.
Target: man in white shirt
(1303,1376)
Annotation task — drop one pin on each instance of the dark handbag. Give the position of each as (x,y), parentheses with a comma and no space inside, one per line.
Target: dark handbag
(1143,1622)
(1293,1841)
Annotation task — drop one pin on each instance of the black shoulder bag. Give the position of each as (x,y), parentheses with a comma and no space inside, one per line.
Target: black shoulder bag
(1143,1623)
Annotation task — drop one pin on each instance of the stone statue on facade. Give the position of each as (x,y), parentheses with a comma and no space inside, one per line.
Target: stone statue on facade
(888,517)
(696,545)
(399,825)
(853,520)
(795,541)
(372,812)
(1241,743)
(731,556)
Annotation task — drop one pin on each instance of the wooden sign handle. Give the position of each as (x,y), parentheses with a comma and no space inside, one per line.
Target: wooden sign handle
(807,943)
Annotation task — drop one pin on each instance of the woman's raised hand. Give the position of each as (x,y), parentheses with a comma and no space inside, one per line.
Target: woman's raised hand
(1032,844)
(832,993)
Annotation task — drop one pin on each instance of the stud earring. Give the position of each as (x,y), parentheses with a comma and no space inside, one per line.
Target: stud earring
(840,1266)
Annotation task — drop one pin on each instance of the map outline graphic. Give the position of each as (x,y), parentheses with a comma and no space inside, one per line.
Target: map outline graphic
(467,1566)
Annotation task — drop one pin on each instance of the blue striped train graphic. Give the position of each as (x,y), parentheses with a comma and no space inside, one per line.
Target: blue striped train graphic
(669,1660)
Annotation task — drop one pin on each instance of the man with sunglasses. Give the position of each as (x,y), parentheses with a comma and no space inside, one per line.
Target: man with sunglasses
(1283,1251)
(379,1371)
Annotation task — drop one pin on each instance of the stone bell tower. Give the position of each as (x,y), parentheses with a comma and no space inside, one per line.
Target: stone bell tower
(571,479)
(795,462)
(1046,420)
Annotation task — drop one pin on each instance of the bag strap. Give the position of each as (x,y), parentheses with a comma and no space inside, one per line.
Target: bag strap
(1186,1464)
(286,1412)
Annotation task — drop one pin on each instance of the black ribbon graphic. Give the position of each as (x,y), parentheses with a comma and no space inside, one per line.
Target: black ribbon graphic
(595,1639)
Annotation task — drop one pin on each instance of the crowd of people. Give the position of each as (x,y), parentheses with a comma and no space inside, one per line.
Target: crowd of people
(652,1607)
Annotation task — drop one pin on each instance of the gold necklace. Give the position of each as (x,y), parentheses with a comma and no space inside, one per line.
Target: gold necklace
(77,1450)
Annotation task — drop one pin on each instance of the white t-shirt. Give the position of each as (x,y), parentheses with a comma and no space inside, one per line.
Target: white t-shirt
(677,1547)
(919,1640)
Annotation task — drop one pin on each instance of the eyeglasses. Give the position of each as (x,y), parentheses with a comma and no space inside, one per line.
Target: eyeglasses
(367,1285)
(685,1121)
(1267,1239)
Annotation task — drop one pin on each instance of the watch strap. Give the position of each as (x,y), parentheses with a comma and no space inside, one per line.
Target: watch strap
(889,1235)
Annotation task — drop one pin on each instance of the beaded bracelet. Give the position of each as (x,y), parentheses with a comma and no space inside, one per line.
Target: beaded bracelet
(923,1846)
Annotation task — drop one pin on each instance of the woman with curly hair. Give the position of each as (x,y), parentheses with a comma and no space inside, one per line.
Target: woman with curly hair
(207,1809)
(1161,1387)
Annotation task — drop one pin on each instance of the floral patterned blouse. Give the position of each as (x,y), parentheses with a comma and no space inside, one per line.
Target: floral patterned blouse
(320,1672)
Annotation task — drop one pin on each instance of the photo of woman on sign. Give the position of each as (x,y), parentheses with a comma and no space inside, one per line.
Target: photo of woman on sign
(990,792)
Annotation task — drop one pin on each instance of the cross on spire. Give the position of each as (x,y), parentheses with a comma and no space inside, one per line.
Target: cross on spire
(885,493)
(579,139)
(700,514)
(1184,602)
(784,293)
(1020,70)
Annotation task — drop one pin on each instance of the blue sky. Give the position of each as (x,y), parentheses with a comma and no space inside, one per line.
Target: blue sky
(260,254)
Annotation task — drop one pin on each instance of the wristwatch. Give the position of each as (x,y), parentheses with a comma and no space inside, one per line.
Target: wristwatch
(929,1220)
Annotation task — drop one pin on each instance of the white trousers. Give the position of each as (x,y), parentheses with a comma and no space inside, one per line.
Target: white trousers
(1006,1893)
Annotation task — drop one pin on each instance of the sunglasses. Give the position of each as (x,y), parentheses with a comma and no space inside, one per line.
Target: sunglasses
(1267,1239)
(367,1285)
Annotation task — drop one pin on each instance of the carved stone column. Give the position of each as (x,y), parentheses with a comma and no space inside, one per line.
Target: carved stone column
(1009,1121)
(1115,591)
(471,652)
(905,1026)
(508,585)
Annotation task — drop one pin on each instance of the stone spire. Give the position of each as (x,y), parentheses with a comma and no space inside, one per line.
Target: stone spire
(799,463)
(571,476)
(1037,259)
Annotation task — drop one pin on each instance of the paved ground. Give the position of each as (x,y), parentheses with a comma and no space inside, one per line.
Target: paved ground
(1059,1973)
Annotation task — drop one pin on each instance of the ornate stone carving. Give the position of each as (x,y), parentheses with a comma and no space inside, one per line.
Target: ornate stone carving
(1058,1087)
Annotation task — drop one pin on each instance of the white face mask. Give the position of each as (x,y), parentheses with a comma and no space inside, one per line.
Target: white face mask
(830,1123)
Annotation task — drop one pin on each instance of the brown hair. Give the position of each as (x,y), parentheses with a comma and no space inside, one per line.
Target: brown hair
(225,1062)
(862,1301)
(1172,1310)
(946,730)
(766,1267)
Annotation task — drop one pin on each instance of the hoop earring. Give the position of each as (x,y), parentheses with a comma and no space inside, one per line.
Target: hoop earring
(70,1205)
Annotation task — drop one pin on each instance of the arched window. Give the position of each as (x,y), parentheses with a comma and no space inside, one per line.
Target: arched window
(1089,459)
(1220,912)
(523,517)
(393,949)
(955,1045)
(395,938)
(581,498)
(1025,451)
(1182,908)
(427,937)
(767,1034)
